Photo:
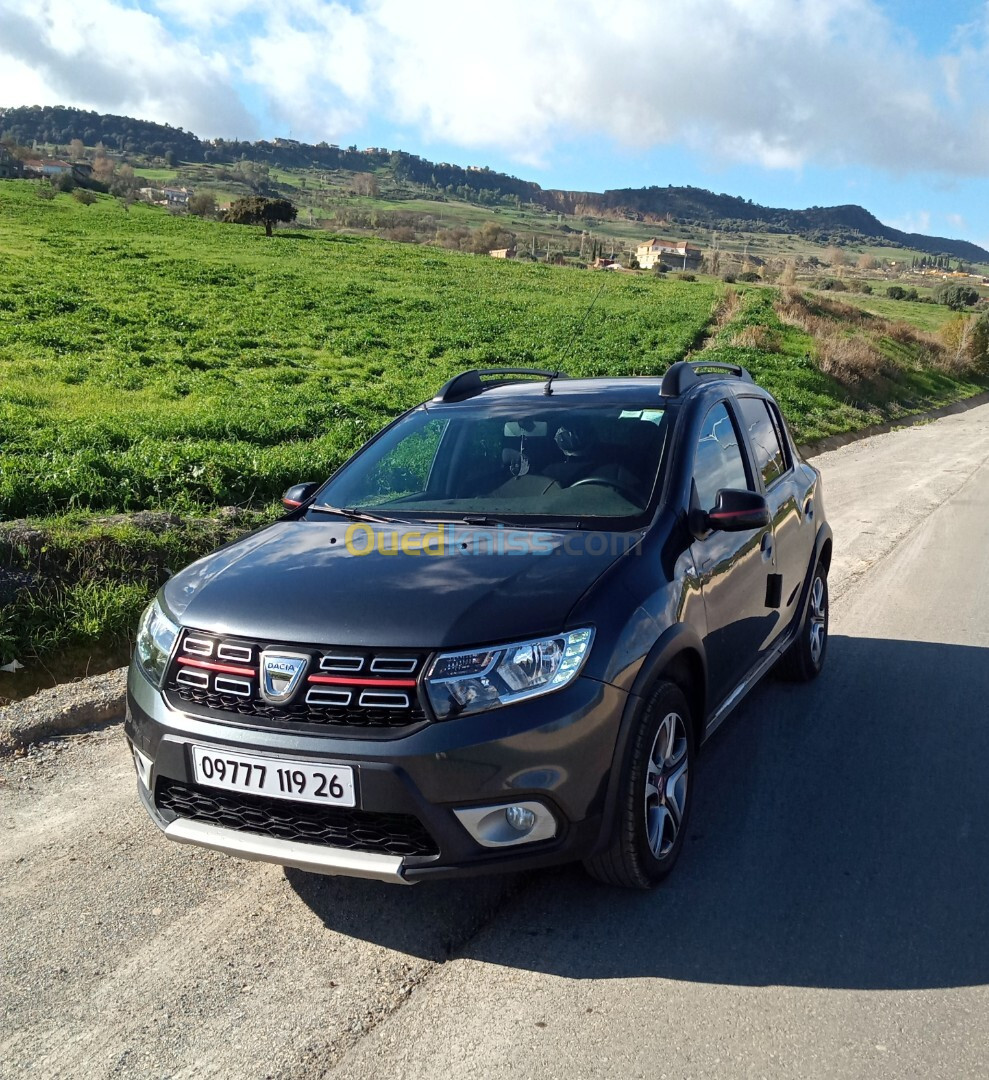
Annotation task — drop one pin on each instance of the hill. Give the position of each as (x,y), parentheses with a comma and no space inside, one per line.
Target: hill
(660,206)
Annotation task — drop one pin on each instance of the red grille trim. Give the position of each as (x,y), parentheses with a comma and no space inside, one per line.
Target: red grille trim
(343,680)
(226,669)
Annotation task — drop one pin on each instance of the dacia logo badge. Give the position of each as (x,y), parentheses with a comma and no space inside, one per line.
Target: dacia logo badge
(281,674)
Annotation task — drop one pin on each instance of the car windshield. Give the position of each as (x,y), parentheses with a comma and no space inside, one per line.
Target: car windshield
(509,461)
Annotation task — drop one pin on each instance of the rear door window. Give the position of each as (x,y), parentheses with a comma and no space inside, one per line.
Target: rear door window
(718,460)
(764,439)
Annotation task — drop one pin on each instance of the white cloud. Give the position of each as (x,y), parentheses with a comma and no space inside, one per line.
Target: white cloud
(105,56)
(917,222)
(775,83)
(778,83)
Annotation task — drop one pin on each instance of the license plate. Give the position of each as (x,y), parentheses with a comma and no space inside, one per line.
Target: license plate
(277,778)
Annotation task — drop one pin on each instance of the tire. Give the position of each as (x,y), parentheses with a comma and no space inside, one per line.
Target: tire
(652,817)
(805,657)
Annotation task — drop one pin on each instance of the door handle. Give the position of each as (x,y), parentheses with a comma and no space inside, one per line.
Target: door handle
(767,546)
(809,508)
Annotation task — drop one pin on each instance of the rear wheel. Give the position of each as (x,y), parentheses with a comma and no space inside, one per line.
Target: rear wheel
(654,801)
(805,657)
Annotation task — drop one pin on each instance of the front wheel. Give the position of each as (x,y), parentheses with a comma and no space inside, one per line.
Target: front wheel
(805,657)
(654,800)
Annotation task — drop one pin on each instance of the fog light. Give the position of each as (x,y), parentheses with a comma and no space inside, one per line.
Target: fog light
(501,826)
(520,818)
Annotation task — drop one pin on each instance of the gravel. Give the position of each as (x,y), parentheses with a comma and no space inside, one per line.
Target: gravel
(62,709)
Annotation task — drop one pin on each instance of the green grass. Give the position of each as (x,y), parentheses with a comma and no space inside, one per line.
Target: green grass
(818,404)
(166,176)
(149,361)
(929,317)
(154,361)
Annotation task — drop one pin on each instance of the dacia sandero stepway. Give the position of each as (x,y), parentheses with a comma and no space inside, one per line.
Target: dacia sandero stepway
(494,639)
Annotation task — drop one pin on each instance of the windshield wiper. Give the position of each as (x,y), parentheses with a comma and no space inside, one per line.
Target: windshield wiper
(484,519)
(354,514)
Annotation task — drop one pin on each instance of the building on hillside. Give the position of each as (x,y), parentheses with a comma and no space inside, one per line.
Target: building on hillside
(50,166)
(502,253)
(678,254)
(176,196)
(10,167)
(603,263)
(166,196)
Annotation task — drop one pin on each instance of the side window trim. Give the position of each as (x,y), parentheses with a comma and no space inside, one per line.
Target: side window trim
(784,439)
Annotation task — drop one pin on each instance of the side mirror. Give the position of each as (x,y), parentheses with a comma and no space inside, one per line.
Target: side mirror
(297,494)
(738,511)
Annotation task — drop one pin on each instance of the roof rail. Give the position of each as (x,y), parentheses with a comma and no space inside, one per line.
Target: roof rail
(687,373)
(468,383)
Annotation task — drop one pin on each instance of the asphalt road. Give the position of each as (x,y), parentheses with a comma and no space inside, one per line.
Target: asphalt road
(830,914)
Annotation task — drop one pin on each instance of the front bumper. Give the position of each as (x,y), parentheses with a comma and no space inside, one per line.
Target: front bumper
(554,752)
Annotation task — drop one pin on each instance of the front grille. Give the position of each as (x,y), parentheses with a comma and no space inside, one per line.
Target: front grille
(337,827)
(342,687)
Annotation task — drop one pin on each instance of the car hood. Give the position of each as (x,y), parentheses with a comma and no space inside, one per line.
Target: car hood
(306,581)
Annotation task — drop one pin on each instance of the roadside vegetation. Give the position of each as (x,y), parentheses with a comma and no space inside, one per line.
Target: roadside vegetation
(172,367)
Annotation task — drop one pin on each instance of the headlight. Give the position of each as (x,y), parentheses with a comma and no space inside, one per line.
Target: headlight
(156,635)
(469,682)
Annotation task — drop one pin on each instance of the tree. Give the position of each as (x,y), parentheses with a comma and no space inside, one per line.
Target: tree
(77,149)
(896,292)
(489,237)
(957,297)
(834,256)
(366,184)
(124,181)
(87,198)
(867,262)
(257,210)
(103,167)
(254,174)
(202,204)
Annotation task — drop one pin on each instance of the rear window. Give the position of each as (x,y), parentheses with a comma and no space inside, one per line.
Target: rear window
(764,438)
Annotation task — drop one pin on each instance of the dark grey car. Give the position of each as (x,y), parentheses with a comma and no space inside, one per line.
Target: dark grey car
(493,639)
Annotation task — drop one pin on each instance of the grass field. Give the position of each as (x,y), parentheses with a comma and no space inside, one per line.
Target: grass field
(154,362)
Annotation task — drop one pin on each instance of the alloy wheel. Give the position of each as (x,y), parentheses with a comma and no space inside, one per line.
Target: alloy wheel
(818,627)
(666,785)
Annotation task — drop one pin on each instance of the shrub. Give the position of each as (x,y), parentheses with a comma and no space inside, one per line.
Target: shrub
(202,204)
(830,284)
(685,276)
(87,198)
(896,292)
(763,338)
(957,297)
(729,279)
(45,191)
(749,275)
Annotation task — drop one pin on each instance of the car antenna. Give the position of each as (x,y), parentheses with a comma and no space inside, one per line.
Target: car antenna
(548,388)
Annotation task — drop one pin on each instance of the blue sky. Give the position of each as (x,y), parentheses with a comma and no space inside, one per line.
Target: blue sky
(791,103)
